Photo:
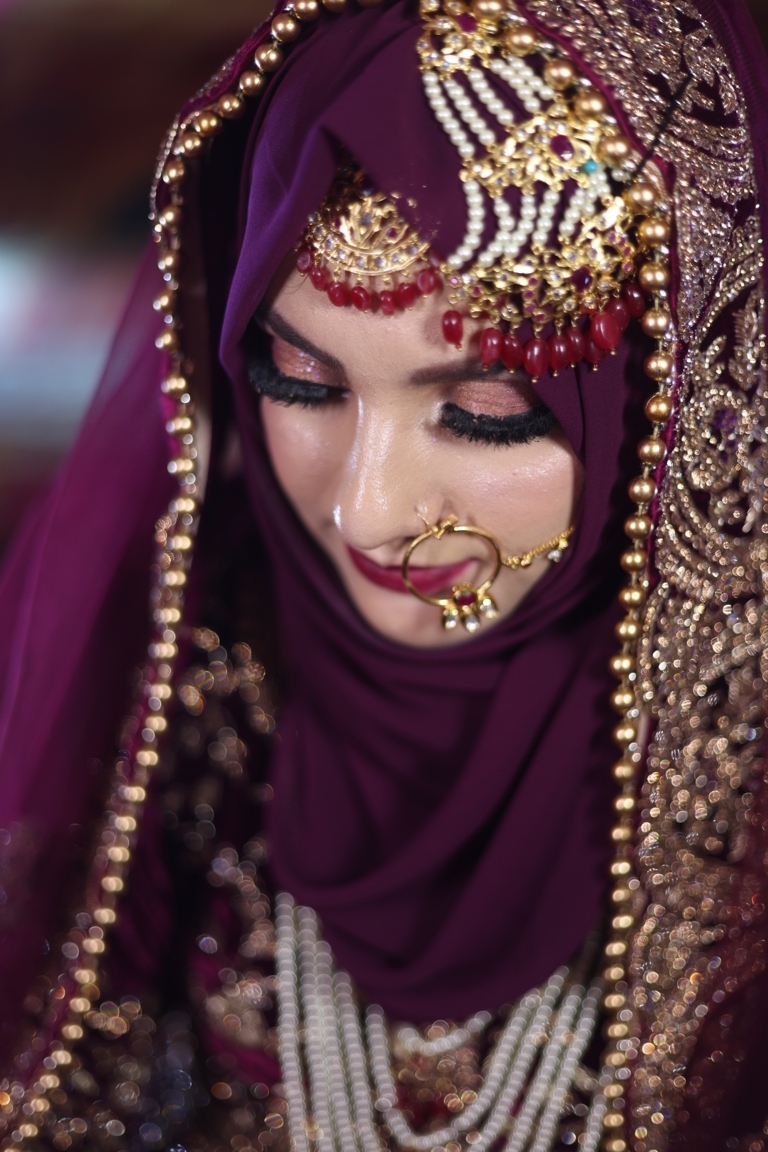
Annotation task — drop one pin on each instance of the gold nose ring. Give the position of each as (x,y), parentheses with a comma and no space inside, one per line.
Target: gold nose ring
(468,603)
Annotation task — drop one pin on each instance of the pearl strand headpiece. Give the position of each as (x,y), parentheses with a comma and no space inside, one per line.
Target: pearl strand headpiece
(582,221)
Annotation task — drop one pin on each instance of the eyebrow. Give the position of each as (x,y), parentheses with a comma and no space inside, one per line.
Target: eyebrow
(438,374)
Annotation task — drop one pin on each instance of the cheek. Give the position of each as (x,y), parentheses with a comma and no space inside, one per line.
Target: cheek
(528,489)
(306,449)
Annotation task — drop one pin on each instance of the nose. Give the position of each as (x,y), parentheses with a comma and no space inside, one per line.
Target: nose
(384,481)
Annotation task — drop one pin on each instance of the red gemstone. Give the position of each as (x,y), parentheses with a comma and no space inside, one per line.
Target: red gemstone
(581,278)
(466,22)
(466,598)
(619,309)
(562,147)
(360,298)
(304,261)
(536,357)
(453,328)
(576,342)
(338,295)
(592,354)
(490,346)
(387,302)
(511,351)
(426,281)
(319,277)
(407,294)
(605,331)
(635,300)
(559,354)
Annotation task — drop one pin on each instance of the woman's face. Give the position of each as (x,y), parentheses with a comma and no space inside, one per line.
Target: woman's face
(377,428)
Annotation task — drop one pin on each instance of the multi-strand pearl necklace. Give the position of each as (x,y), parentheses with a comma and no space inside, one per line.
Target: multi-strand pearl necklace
(339,1076)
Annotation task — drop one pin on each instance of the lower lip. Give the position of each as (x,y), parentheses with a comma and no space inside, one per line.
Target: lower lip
(425,580)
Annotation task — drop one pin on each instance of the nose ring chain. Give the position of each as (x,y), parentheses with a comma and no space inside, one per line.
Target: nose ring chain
(468,603)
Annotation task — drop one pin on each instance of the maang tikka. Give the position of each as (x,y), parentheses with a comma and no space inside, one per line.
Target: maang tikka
(577,247)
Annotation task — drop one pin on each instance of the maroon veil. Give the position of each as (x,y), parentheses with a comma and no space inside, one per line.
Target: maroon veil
(446,813)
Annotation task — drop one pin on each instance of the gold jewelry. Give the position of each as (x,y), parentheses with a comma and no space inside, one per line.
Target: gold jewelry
(585,214)
(468,603)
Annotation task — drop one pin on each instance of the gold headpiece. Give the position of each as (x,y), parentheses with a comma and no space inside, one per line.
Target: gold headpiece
(584,219)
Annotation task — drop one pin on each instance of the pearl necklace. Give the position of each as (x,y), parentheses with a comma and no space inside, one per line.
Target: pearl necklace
(332,1062)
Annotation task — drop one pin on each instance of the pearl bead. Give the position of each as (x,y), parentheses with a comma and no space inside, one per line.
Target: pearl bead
(306,10)
(252,83)
(642,489)
(614,149)
(285,28)
(658,408)
(522,41)
(268,57)
(560,74)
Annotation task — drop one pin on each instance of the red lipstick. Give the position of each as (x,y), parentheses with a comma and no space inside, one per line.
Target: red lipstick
(427,580)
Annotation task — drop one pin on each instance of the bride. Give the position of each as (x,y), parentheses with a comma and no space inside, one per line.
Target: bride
(433,816)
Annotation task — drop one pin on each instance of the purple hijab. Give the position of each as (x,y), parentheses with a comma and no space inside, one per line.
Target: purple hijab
(445,812)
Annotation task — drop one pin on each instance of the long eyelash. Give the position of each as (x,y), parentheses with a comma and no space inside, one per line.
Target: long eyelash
(520,428)
(268,381)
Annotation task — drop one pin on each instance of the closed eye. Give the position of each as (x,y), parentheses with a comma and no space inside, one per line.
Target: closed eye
(269,381)
(515,428)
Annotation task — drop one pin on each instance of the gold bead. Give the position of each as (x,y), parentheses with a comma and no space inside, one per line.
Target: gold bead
(190,144)
(231,106)
(620,834)
(615,1032)
(174,386)
(590,104)
(522,41)
(658,365)
(656,322)
(268,57)
(642,489)
(616,1144)
(634,560)
(164,302)
(622,923)
(616,1059)
(625,803)
(285,28)
(632,596)
(174,171)
(170,217)
(167,341)
(628,628)
(252,83)
(614,149)
(653,277)
(651,450)
(169,260)
(620,896)
(638,527)
(641,197)
(335,6)
(658,408)
(653,232)
(560,74)
(614,973)
(622,664)
(490,10)
(622,699)
(306,9)
(621,868)
(625,733)
(208,124)
(613,1119)
(613,1001)
(624,771)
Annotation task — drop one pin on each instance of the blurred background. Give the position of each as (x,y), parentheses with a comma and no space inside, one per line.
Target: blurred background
(87,89)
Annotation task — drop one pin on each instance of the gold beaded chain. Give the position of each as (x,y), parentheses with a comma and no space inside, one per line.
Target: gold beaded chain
(24,1110)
